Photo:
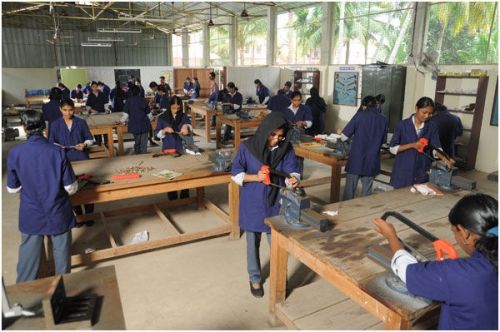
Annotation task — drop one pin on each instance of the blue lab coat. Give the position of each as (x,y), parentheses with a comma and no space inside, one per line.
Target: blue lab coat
(172,141)
(449,127)
(262,92)
(97,102)
(215,93)
(254,207)
(65,93)
(51,111)
(42,170)
(195,91)
(164,101)
(237,99)
(303,114)
(410,166)
(187,86)
(118,97)
(76,95)
(138,121)
(106,90)
(368,130)
(280,102)
(467,289)
(79,133)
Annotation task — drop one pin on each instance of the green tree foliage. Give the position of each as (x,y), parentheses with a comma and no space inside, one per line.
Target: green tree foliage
(307,25)
(219,45)
(249,33)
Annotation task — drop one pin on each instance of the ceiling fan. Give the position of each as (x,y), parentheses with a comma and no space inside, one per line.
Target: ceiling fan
(211,23)
(244,14)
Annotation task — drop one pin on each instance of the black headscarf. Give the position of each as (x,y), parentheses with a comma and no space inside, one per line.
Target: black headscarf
(169,118)
(257,144)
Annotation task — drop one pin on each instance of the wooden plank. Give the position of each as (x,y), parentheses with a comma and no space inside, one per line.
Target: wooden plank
(234,209)
(278,268)
(100,255)
(315,182)
(170,226)
(217,210)
(108,233)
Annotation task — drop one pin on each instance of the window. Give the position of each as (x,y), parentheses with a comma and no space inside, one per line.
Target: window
(463,32)
(373,31)
(177,50)
(252,42)
(195,48)
(299,36)
(219,45)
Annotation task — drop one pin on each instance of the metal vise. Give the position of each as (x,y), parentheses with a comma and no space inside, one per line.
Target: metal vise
(222,160)
(441,176)
(296,209)
(188,143)
(340,149)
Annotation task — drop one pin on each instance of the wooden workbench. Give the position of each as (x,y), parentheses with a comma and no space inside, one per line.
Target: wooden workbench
(237,123)
(100,281)
(340,255)
(197,172)
(205,112)
(320,153)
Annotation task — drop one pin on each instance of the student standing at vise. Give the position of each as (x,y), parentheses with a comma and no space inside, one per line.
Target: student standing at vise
(269,146)
(411,166)
(466,288)
(96,99)
(233,100)
(195,89)
(214,95)
(318,110)
(449,128)
(262,92)
(135,113)
(42,174)
(51,110)
(73,135)
(298,114)
(368,129)
(172,123)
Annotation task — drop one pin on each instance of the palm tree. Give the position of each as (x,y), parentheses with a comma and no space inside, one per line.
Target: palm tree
(250,28)
(307,25)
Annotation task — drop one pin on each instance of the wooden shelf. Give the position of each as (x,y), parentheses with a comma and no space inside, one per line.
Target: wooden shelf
(464,76)
(461,111)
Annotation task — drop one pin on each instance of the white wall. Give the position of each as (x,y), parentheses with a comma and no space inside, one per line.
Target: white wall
(16,80)
(243,78)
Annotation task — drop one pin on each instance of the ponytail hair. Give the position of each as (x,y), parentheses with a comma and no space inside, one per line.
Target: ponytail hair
(478,214)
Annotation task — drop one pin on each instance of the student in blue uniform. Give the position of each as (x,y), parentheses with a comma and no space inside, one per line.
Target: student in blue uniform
(87,89)
(164,84)
(318,110)
(269,146)
(136,113)
(42,174)
(449,128)
(466,288)
(73,135)
(280,102)
(118,97)
(186,87)
(410,166)
(171,123)
(96,99)
(368,130)
(298,114)
(65,93)
(164,100)
(77,93)
(287,90)
(262,92)
(195,89)
(154,88)
(104,88)
(232,100)
(51,110)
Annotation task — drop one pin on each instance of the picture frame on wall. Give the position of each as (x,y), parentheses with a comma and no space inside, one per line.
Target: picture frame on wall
(494,111)
(345,89)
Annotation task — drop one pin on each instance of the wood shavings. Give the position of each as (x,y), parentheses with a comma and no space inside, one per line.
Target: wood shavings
(135,169)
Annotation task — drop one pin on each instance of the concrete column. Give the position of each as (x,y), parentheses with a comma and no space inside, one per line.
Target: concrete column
(205,61)
(185,49)
(271,36)
(327,33)
(233,41)
(170,53)
(420,33)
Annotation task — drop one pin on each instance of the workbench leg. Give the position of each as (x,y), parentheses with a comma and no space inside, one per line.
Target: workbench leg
(218,126)
(119,133)
(200,197)
(396,322)
(278,272)
(111,143)
(335,185)
(208,119)
(234,209)
(237,136)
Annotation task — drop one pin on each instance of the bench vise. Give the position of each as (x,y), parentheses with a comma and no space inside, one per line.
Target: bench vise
(447,179)
(296,209)
(340,149)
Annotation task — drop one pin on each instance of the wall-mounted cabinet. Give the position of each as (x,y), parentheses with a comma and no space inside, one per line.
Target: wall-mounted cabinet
(474,95)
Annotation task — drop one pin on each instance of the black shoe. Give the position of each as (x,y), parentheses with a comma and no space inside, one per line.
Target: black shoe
(257,292)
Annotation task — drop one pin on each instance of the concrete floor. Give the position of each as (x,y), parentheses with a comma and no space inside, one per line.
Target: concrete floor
(200,285)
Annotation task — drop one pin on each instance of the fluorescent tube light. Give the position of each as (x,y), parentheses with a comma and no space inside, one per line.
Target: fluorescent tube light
(91,39)
(96,44)
(119,30)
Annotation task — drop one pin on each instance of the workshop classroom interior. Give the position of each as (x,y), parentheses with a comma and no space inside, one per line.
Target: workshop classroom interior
(347,50)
